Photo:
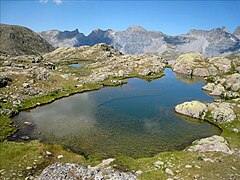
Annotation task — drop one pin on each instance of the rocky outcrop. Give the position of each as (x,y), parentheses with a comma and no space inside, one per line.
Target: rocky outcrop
(221,112)
(18,40)
(211,144)
(195,64)
(227,86)
(96,53)
(74,171)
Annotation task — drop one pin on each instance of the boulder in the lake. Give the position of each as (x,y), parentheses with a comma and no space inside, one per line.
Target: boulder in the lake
(214,143)
(193,109)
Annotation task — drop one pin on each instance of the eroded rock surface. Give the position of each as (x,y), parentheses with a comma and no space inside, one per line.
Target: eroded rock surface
(195,64)
(214,143)
(74,171)
(194,109)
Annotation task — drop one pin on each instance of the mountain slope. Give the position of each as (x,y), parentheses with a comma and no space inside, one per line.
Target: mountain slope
(137,40)
(237,32)
(18,40)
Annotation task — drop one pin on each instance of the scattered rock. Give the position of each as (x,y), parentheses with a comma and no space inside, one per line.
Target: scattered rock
(29,168)
(25,85)
(188,166)
(60,156)
(48,153)
(235,130)
(25,138)
(169,171)
(139,172)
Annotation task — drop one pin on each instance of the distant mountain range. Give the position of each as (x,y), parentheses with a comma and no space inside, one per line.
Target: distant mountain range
(136,40)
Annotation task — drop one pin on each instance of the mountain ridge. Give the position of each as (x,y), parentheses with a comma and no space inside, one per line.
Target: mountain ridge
(136,40)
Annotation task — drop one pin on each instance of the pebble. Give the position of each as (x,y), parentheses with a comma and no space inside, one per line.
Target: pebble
(27,123)
(235,130)
(188,166)
(29,168)
(169,171)
(60,156)
(139,172)
(48,153)
(198,167)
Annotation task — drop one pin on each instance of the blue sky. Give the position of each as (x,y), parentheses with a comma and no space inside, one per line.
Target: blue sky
(170,17)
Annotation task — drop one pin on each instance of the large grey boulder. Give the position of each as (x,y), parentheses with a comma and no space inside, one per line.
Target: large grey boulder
(211,144)
(193,109)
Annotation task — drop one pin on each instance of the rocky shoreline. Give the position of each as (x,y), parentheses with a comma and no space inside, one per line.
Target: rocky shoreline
(29,81)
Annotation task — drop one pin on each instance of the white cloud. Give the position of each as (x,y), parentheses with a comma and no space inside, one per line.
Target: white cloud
(55,1)
(43,1)
(58,1)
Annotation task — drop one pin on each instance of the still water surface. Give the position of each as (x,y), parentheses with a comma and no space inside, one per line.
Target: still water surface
(136,119)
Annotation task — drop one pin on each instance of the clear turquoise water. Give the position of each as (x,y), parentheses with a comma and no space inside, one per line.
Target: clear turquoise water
(136,119)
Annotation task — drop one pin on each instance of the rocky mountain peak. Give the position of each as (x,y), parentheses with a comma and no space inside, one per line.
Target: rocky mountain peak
(137,40)
(136,28)
(68,34)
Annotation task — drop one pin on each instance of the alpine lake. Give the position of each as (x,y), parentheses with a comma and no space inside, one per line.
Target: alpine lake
(136,119)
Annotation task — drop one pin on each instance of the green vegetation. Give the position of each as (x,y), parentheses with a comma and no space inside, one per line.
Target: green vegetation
(19,160)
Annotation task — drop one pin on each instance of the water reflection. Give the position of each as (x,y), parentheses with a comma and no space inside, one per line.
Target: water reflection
(136,119)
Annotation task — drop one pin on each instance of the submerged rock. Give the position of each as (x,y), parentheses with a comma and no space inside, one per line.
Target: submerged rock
(214,143)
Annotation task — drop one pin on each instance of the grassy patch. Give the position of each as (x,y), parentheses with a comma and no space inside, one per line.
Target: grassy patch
(6,129)
(19,160)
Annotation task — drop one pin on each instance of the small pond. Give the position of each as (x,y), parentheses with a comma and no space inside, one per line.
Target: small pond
(136,119)
(75,65)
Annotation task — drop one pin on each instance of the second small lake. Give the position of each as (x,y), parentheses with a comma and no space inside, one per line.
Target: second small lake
(136,119)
